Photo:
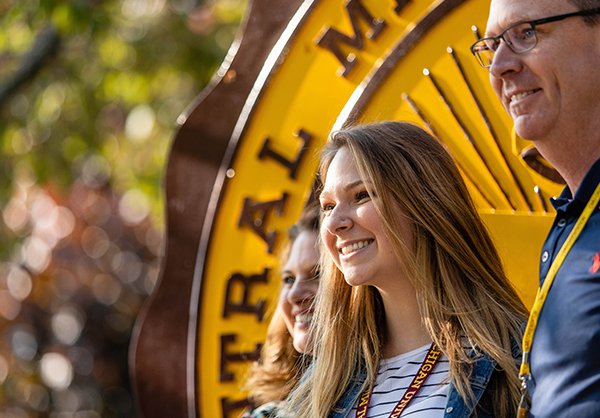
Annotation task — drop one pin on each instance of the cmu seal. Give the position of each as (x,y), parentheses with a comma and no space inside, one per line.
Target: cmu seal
(243,163)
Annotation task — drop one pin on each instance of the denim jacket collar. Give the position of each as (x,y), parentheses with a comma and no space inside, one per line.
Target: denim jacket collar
(456,407)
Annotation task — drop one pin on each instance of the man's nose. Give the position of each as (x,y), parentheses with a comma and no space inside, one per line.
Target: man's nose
(505,61)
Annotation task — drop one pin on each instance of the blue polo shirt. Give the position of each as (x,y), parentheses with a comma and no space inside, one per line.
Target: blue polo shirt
(565,357)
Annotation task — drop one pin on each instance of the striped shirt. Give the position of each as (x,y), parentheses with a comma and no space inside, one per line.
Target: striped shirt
(394,377)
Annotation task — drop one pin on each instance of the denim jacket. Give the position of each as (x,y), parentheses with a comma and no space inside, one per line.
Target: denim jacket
(456,407)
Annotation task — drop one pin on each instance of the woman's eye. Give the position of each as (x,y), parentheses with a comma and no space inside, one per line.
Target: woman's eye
(288,280)
(327,207)
(362,195)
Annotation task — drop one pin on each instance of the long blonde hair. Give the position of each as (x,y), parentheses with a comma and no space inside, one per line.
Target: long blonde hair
(461,288)
(280,366)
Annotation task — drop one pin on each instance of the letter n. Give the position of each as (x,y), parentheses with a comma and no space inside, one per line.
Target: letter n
(332,38)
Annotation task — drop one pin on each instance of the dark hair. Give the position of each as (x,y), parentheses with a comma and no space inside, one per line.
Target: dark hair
(587,5)
(308,221)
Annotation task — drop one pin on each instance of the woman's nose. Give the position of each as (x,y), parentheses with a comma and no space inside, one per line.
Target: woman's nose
(338,220)
(301,291)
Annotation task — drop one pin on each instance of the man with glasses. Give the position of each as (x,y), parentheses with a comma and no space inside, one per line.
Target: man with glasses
(543,58)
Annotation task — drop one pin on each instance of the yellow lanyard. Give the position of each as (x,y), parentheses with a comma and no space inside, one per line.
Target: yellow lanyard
(525,371)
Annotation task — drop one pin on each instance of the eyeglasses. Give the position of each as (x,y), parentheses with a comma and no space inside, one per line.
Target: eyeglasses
(520,37)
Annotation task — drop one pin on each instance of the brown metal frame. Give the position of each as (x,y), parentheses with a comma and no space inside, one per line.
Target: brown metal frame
(159,360)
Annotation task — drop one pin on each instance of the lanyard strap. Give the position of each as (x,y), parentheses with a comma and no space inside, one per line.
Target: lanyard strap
(430,360)
(525,371)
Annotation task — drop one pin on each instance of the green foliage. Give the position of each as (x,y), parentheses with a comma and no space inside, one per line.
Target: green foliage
(89,94)
(115,60)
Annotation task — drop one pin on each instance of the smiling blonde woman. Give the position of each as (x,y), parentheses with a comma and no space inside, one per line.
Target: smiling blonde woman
(280,365)
(414,315)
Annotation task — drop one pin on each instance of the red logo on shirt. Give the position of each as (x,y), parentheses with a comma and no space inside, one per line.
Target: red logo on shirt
(595,263)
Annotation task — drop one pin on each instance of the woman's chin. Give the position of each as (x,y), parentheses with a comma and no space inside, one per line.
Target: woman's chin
(300,342)
(355,280)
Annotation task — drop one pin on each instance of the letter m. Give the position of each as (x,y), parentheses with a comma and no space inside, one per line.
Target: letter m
(332,38)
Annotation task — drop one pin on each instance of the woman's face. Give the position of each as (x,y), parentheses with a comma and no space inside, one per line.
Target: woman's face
(300,284)
(353,231)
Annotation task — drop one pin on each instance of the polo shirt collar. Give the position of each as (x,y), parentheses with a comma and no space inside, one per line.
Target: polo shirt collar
(573,206)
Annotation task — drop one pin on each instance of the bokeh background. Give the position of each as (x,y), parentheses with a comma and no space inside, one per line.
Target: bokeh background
(90,92)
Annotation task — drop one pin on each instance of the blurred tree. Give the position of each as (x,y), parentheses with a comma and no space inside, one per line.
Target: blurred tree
(89,94)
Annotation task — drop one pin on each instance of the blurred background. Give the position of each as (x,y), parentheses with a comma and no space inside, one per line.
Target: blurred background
(90,91)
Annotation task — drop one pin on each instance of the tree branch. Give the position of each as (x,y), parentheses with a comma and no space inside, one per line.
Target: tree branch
(44,47)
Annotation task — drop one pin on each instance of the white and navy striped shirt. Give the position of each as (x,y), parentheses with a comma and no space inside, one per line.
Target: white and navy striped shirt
(393,378)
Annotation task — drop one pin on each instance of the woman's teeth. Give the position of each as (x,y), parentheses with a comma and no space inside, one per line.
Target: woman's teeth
(303,318)
(356,246)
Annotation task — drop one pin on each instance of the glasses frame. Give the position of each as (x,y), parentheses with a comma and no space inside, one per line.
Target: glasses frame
(477,45)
